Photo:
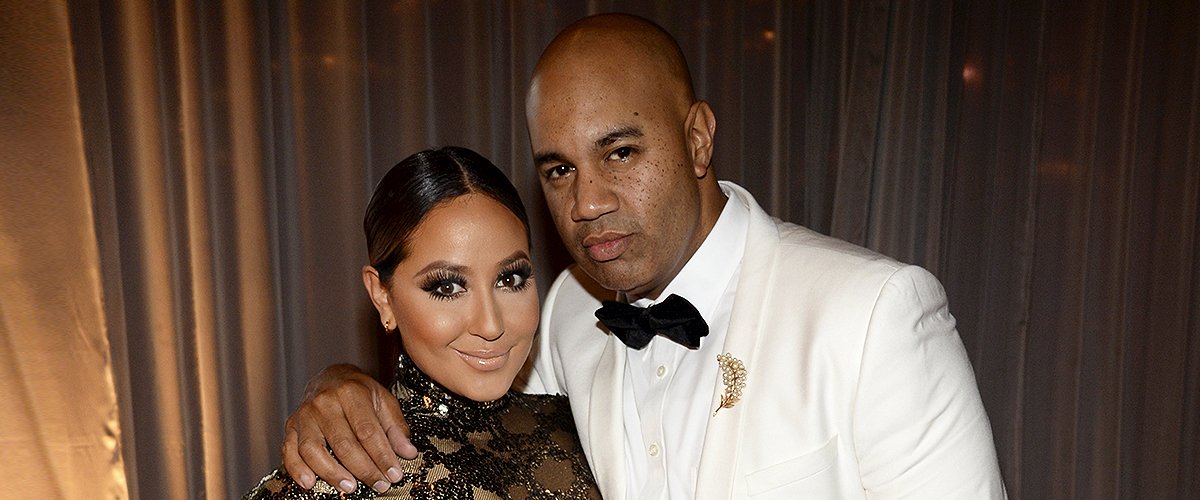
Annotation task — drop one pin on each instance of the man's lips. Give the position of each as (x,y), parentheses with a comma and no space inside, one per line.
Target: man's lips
(606,246)
(484,360)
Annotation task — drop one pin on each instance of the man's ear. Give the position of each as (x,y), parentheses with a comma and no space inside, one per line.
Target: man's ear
(701,127)
(379,295)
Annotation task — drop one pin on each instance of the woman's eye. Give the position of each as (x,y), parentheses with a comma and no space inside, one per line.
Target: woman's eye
(621,154)
(451,288)
(514,281)
(445,289)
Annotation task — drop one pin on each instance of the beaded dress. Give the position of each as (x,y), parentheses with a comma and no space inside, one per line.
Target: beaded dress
(521,446)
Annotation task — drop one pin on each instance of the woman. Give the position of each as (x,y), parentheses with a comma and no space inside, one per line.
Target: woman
(448,241)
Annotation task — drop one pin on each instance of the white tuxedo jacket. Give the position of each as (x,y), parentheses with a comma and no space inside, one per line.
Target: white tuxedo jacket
(857,384)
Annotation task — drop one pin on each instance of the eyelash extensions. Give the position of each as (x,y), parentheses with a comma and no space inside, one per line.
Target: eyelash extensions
(443,284)
(519,269)
(435,282)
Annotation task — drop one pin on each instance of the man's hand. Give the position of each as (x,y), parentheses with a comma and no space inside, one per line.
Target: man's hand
(359,419)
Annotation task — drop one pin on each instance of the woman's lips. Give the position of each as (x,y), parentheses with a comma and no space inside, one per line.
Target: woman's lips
(606,246)
(484,361)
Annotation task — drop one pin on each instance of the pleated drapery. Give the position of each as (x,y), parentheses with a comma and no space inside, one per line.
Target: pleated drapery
(183,186)
(59,419)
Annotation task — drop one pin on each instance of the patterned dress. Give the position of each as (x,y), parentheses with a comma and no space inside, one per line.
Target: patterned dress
(521,446)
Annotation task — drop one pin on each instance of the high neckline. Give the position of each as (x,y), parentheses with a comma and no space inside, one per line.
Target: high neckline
(420,395)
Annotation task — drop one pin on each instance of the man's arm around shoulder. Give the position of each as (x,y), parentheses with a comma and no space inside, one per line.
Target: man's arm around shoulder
(355,416)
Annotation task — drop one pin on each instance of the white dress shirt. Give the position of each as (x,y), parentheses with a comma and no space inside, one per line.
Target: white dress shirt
(668,387)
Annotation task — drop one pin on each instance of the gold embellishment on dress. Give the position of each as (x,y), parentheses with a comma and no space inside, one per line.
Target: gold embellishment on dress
(733,376)
(468,451)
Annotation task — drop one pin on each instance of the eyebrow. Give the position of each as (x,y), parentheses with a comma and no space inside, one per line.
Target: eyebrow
(516,256)
(443,265)
(544,158)
(621,132)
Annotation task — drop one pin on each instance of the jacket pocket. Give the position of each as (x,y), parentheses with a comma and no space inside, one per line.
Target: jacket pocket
(793,470)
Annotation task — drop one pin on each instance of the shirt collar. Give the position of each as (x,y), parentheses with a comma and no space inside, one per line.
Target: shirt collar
(707,274)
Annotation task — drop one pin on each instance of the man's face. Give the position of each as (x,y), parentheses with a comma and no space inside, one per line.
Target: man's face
(617,175)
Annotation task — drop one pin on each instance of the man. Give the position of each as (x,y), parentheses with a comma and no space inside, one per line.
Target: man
(840,375)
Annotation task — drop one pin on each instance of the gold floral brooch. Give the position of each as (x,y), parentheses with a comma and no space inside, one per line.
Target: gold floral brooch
(733,376)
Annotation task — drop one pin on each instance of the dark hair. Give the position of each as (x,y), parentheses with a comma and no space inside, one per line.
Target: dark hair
(420,183)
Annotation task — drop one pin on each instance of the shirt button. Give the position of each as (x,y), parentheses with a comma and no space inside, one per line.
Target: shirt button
(662,370)
(653,449)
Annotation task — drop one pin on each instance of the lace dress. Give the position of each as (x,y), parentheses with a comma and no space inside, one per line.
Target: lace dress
(521,446)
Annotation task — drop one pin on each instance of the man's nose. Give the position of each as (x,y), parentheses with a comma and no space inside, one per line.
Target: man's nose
(593,197)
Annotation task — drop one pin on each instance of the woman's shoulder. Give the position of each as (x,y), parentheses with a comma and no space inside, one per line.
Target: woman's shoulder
(542,435)
(533,418)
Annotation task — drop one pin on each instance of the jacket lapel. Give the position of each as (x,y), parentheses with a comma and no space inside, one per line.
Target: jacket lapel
(718,457)
(605,425)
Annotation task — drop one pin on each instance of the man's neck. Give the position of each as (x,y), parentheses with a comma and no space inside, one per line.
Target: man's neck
(710,213)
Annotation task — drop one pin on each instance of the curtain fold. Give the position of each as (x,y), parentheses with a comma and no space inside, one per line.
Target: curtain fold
(1073,242)
(183,186)
(188,165)
(59,418)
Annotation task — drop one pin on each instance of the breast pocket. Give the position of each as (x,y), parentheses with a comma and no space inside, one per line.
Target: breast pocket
(810,475)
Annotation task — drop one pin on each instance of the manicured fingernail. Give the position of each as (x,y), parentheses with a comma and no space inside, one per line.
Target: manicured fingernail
(306,481)
(382,486)
(395,475)
(347,485)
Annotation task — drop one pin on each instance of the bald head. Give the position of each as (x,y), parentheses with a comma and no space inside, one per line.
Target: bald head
(623,48)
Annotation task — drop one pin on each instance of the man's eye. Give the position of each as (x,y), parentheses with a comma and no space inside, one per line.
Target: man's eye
(621,154)
(558,171)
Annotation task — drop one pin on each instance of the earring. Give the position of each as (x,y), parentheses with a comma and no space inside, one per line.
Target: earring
(387,325)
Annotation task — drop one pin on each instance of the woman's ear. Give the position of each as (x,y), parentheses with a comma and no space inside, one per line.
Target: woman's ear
(378,292)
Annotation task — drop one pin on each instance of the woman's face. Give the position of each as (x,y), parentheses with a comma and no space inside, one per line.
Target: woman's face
(464,300)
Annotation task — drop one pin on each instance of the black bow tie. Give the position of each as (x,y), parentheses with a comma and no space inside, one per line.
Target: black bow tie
(674,318)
